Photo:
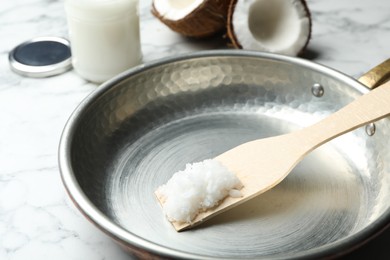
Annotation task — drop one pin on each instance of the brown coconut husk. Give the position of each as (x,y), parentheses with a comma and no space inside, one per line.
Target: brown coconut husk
(308,13)
(207,19)
(231,31)
(230,27)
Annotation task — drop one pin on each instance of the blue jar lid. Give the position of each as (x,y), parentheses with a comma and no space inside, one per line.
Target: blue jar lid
(41,57)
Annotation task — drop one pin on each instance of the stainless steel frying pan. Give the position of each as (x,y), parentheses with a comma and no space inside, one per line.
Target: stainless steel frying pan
(132,133)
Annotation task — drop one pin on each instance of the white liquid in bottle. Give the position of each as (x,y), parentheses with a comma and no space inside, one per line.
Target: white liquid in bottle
(104,36)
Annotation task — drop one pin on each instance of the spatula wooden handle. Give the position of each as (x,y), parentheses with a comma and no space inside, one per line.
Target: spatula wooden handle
(365,109)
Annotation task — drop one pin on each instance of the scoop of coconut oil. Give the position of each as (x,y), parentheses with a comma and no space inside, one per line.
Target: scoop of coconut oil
(198,187)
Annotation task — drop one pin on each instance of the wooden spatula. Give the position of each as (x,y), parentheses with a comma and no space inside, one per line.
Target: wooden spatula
(263,163)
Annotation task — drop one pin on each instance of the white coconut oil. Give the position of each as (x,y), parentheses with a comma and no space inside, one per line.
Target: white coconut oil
(198,187)
(104,36)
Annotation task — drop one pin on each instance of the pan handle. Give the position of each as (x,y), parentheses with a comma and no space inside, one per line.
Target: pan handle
(376,76)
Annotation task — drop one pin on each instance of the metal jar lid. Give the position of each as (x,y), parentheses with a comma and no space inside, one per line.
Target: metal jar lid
(41,57)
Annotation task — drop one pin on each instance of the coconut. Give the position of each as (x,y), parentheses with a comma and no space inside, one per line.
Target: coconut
(277,26)
(193,18)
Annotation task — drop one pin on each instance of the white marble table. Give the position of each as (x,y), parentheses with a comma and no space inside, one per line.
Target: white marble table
(37,221)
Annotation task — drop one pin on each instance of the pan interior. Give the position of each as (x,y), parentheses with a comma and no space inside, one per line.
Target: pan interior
(140,132)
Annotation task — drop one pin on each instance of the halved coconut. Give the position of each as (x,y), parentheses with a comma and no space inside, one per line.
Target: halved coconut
(278,26)
(193,18)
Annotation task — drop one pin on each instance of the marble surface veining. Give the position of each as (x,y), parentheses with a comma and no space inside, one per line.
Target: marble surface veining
(37,221)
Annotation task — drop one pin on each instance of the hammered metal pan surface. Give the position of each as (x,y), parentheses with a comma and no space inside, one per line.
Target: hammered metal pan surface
(134,132)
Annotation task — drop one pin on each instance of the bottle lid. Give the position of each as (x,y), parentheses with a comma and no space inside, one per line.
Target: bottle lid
(41,57)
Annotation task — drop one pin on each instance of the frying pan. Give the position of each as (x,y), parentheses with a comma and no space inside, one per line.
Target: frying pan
(130,135)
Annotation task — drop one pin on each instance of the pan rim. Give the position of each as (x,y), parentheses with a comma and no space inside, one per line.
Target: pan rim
(126,238)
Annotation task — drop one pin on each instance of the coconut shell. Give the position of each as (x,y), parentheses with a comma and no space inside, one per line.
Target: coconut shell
(230,27)
(207,19)
(232,35)
(310,26)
